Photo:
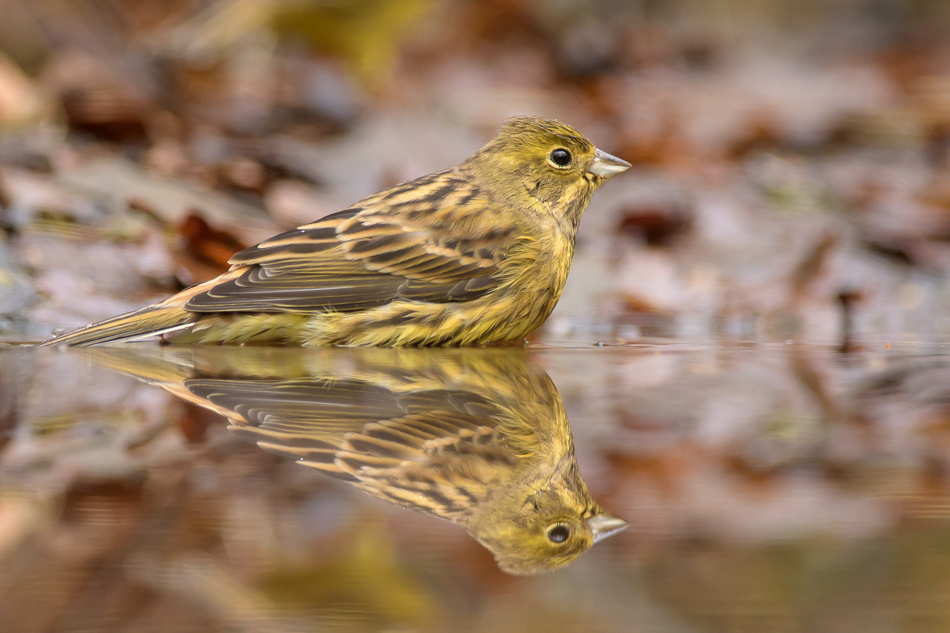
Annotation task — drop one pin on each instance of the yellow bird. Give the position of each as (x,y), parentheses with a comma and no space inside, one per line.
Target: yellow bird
(474,254)
(478,437)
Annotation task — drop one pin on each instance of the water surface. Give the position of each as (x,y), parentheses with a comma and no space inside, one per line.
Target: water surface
(779,488)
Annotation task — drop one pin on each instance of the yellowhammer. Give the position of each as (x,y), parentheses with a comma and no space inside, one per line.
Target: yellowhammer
(474,254)
(478,437)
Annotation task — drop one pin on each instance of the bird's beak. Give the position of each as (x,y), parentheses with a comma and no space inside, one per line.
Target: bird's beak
(604,525)
(606,166)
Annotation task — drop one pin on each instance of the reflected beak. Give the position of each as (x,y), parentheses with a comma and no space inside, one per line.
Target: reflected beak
(605,524)
(606,166)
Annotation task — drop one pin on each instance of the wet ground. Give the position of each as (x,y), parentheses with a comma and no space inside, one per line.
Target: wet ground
(766,488)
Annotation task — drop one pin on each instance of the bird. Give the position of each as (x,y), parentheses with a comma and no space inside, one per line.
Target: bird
(479,437)
(475,254)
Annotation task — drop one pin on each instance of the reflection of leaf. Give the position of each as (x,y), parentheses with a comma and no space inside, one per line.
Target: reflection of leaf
(367,579)
(733,591)
(810,585)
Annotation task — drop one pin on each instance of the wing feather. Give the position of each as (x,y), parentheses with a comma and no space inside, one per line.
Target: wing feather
(436,239)
(398,447)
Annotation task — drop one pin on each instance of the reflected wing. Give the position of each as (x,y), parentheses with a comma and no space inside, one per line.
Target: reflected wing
(434,239)
(433,451)
(468,435)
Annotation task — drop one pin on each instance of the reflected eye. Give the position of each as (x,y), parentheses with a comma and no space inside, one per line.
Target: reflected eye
(561,157)
(559,534)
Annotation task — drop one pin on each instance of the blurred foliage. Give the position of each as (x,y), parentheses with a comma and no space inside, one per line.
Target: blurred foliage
(366,34)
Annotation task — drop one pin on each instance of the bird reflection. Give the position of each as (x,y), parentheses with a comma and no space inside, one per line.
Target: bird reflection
(476,436)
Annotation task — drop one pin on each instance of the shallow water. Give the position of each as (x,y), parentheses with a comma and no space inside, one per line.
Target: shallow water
(779,488)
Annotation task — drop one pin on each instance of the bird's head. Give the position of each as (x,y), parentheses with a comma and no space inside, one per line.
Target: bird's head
(552,527)
(548,165)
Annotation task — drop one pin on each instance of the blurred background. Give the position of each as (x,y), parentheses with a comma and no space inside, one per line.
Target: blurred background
(791,175)
(790,193)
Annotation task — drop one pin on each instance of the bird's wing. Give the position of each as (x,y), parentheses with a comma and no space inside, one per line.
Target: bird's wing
(431,450)
(437,238)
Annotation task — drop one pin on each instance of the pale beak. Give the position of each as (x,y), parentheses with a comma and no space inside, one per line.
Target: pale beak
(606,166)
(605,524)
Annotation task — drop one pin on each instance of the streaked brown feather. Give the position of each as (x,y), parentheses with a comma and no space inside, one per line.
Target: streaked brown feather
(368,435)
(394,246)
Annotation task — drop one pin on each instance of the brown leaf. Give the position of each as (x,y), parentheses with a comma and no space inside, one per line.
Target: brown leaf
(206,250)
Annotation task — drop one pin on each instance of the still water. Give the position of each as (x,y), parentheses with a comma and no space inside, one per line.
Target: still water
(667,488)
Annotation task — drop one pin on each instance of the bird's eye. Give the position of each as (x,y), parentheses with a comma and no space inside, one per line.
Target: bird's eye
(559,534)
(561,157)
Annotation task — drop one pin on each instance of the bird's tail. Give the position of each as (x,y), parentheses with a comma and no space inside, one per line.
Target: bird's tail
(153,320)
